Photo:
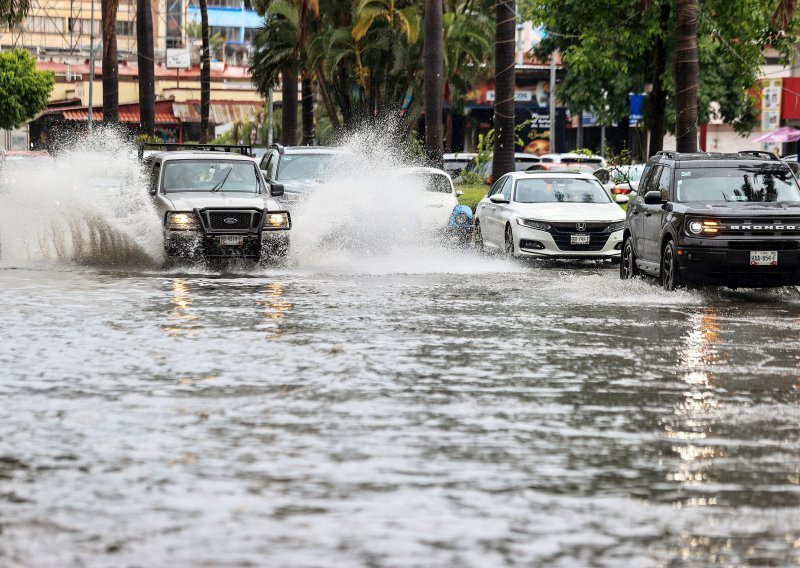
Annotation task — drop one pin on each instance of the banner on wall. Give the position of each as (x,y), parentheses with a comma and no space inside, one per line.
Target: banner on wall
(771,90)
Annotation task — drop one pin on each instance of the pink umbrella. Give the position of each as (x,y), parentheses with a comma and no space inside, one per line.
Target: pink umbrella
(783,134)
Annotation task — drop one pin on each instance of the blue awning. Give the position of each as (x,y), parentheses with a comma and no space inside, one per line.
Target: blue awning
(226,17)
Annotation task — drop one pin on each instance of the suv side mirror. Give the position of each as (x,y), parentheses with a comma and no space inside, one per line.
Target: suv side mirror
(498,198)
(276,189)
(653,198)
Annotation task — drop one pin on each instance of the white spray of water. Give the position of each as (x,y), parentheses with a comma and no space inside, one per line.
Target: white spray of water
(369,216)
(88,205)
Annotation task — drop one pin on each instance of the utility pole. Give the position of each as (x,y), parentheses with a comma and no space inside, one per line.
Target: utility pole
(91,67)
(553,102)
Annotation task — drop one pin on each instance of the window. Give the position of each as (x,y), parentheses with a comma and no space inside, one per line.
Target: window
(126,28)
(228,33)
(46,25)
(496,186)
(155,173)
(650,182)
(744,184)
(664,182)
(207,175)
(507,187)
(225,3)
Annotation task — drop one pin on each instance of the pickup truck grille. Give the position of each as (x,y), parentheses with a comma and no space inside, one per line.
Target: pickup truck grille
(231,220)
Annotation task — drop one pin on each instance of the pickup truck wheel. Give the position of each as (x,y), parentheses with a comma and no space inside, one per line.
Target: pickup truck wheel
(670,273)
(627,265)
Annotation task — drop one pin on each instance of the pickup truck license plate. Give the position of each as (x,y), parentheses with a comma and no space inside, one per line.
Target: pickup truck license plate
(231,240)
(763,258)
(579,239)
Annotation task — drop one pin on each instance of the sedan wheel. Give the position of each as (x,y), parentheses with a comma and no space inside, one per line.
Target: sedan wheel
(477,237)
(509,242)
(627,266)
(670,273)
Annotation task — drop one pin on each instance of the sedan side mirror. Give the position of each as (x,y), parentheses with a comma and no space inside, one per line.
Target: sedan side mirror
(653,198)
(603,175)
(498,198)
(276,189)
(459,193)
(622,199)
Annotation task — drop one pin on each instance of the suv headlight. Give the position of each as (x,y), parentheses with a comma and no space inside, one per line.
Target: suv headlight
(702,227)
(277,220)
(531,224)
(179,220)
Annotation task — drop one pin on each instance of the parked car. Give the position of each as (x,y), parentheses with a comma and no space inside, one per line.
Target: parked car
(573,158)
(522,161)
(216,205)
(456,163)
(441,211)
(710,218)
(624,180)
(549,215)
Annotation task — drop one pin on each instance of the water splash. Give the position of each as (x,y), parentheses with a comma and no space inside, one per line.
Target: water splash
(88,205)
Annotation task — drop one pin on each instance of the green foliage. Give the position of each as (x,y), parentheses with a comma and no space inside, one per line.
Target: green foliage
(24,91)
(608,49)
(473,193)
(194,30)
(12,12)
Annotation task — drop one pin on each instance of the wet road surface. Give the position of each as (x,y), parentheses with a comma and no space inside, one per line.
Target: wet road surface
(469,412)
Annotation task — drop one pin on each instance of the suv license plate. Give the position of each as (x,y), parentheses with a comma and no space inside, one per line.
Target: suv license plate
(231,240)
(763,258)
(579,239)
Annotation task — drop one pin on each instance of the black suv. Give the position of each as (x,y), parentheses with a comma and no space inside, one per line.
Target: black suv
(726,219)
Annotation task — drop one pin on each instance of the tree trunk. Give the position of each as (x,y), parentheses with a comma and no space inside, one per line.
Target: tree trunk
(322,83)
(205,74)
(108,15)
(289,114)
(687,72)
(658,96)
(504,45)
(433,78)
(144,41)
(308,111)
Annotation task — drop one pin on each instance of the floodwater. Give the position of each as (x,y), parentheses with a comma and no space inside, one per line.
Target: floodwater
(413,407)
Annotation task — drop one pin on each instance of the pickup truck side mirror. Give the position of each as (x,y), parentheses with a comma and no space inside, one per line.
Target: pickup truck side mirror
(653,198)
(276,189)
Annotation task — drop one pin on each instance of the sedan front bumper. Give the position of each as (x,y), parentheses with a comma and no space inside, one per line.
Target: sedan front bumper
(536,243)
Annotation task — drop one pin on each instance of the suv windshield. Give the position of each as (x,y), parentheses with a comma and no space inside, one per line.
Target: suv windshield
(561,190)
(742,184)
(210,175)
(307,166)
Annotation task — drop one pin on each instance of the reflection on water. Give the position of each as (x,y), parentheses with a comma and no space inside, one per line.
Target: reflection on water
(180,317)
(275,307)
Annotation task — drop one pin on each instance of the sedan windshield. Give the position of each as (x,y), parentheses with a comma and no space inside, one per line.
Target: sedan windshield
(307,166)
(560,190)
(208,175)
(747,185)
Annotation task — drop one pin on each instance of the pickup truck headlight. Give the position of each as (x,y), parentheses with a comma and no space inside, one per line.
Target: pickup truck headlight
(178,220)
(279,220)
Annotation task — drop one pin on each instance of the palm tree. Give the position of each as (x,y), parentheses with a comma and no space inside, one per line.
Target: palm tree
(108,16)
(433,79)
(12,12)
(144,41)
(205,74)
(504,45)
(687,72)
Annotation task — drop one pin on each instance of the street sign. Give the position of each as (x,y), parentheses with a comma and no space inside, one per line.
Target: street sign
(179,58)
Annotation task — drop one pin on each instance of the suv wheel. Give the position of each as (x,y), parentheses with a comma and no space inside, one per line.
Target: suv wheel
(627,265)
(509,250)
(477,237)
(670,273)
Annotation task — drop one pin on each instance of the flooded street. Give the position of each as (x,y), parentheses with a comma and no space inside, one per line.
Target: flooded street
(385,403)
(452,411)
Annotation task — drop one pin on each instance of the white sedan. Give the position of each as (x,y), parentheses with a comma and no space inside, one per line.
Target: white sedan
(558,215)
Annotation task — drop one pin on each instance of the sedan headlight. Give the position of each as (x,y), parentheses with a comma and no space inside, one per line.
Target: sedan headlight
(616,227)
(181,221)
(531,224)
(278,220)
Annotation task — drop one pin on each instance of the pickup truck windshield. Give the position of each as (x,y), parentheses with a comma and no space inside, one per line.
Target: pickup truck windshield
(743,185)
(210,175)
(560,190)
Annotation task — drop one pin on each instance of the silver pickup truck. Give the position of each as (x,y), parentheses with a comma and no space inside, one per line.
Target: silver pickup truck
(216,205)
